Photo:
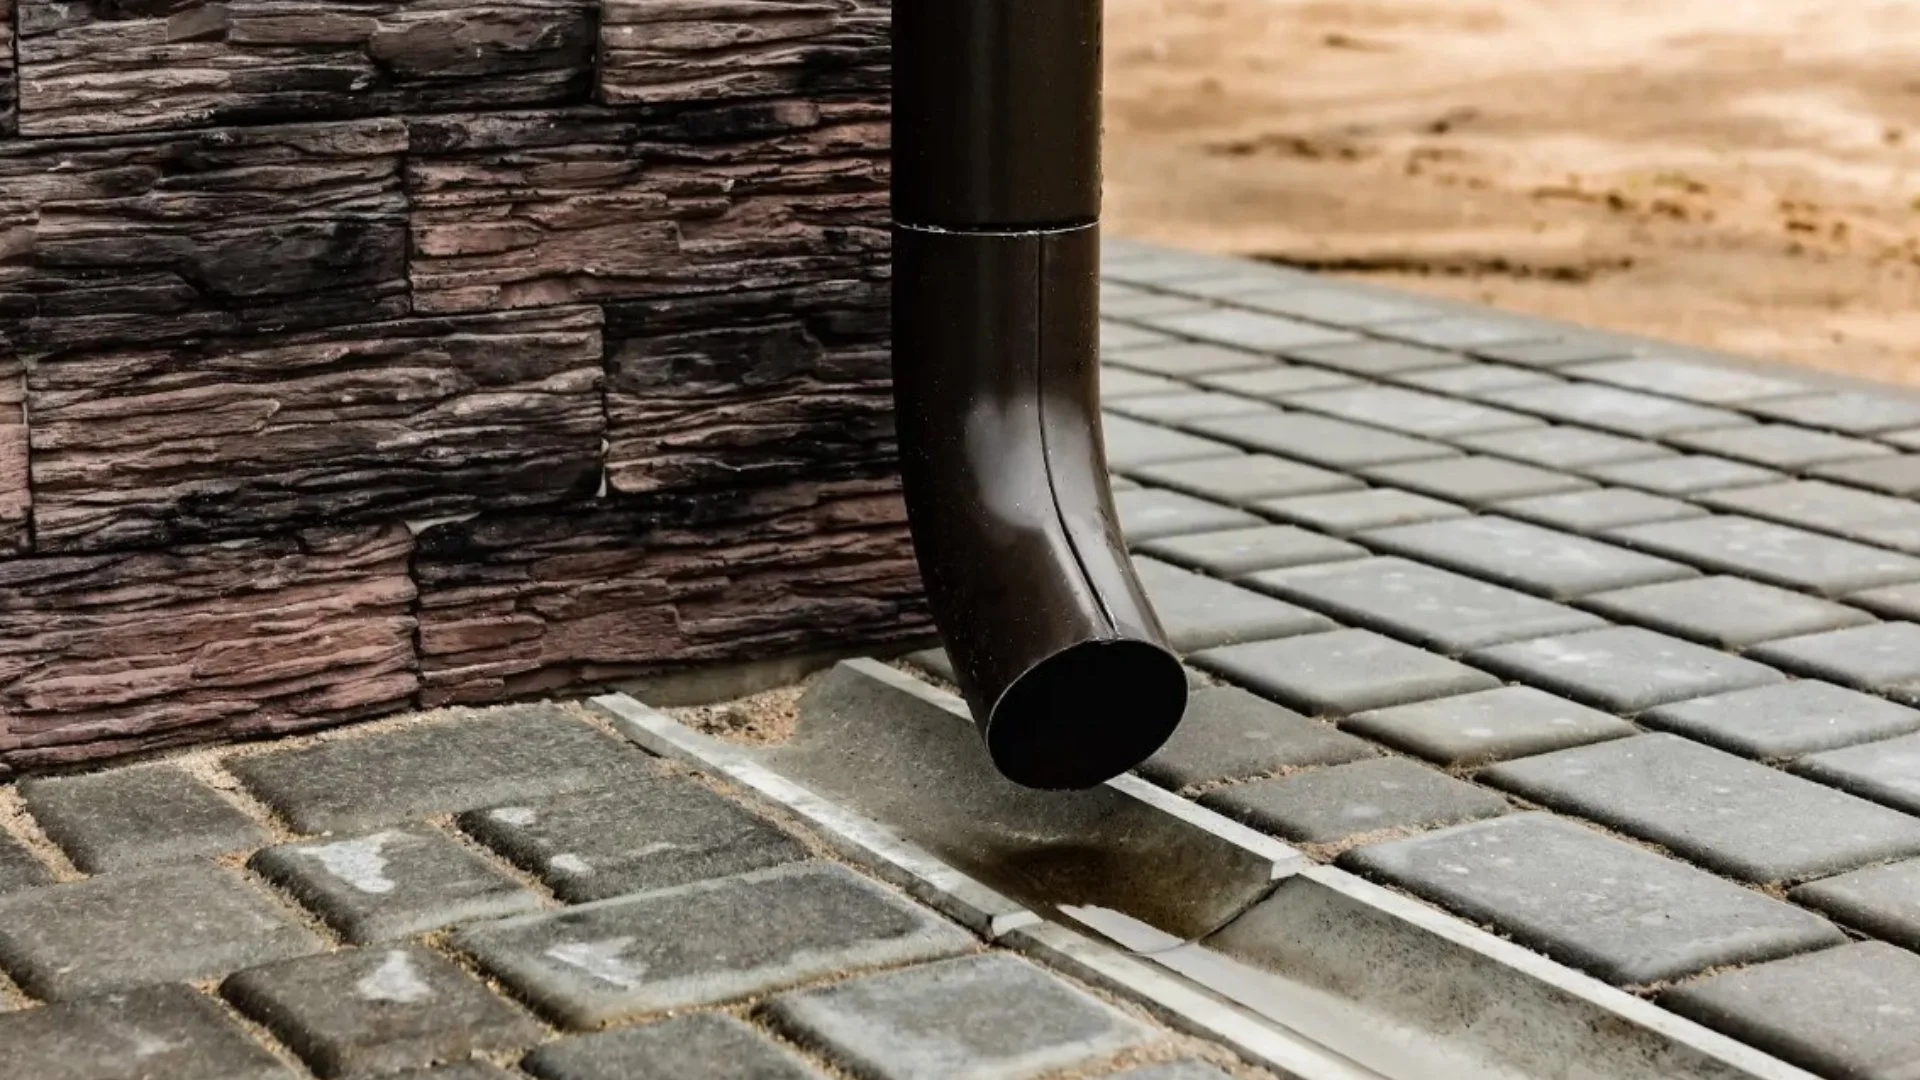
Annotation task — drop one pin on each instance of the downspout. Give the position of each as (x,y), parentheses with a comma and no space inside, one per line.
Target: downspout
(996,248)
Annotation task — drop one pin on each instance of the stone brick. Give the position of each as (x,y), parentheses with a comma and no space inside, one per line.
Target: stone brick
(1829,508)
(19,869)
(1230,734)
(1243,551)
(1373,359)
(1608,408)
(1202,613)
(1188,359)
(1321,440)
(1729,815)
(1690,474)
(1411,412)
(1883,658)
(1886,772)
(129,818)
(1119,337)
(1725,612)
(1779,554)
(993,1015)
(176,924)
(1603,905)
(279,634)
(148,238)
(1150,514)
(1624,668)
(1598,510)
(703,1046)
(98,67)
(1785,720)
(1473,380)
(649,832)
(1850,1012)
(1563,447)
(1275,381)
(1245,479)
(703,943)
(1882,900)
(1126,302)
(1431,607)
(1341,673)
(1490,726)
(1848,412)
(1335,307)
(1186,406)
(1574,349)
(379,1010)
(354,784)
(393,884)
(1892,601)
(213,439)
(1476,480)
(1557,565)
(1249,330)
(1464,332)
(1327,806)
(651,53)
(1131,444)
(1708,383)
(1781,446)
(1345,513)
(160,1031)
(1121,384)
(1892,475)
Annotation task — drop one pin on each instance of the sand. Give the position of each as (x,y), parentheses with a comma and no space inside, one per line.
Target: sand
(1736,174)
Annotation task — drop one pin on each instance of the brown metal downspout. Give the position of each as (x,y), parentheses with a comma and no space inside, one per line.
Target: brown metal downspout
(996,207)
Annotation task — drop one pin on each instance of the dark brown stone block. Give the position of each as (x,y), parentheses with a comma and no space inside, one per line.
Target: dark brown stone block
(707,50)
(91,67)
(534,209)
(142,238)
(15,499)
(229,438)
(102,655)
(520,604)
(748,388)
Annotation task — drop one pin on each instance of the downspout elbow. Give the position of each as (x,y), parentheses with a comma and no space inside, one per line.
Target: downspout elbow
(996,383)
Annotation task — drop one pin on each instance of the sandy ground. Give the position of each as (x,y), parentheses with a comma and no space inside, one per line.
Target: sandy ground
(1740,174)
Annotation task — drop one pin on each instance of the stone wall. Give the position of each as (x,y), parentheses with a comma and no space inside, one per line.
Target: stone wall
(358,355)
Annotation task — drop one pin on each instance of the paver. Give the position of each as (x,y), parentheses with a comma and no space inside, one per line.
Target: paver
(1597,510)
(170,924)
(1243,551)
(1893,475)
(1559,447)
(1117,336)
(1883,658)
(1463,332)
(704,1046)
(1372,359)
(1344,672)
(1726,813)
(125,818)
(1412,412)
(1188,405)
(1725,612)
(1473,379)
(1781,446)
(1785,720)
(1230,734)
(1882,900)
(358,784)
(393,883)
(1327,806)
(1829,508)
(1490,726)
(1176,1070)
(1476,480)
(1708,383)
(1424,604)
(1780,554)
(1322,440)
(1345,513)
(1125,302)
(379,1010)
(1274,382)
(1119,383)
(1151,513)
(1689,474)
(1572,349)
(466,1070)
(1626,412)
(1892,601)
(19,869)
(1624,668)
(1249,330)
(1200,612)
(706,942)
(1557,565)
(1188,359)
(1851,1012)
(156,1033)
(1848,412)
(1603,905)
(992,1017)
(1246,478)
(1131,444)
(1886,772)
(1337,307)
(650,833)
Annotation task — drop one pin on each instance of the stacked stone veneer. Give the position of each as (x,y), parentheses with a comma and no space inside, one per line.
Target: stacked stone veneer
(364,354)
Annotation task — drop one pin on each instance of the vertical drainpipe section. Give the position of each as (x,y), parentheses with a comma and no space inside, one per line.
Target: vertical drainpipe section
(996,248)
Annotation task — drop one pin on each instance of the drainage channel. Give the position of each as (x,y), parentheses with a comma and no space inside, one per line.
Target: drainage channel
(1302,968)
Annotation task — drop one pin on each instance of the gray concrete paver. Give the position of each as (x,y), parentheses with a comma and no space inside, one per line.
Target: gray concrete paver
(1785,720)
(1886,772)
(128,818)
(1476,480)
(19,867)
(1557,565)
(1706,383)
(1781,446)
(1230,734)
(1780,554)
(1412,412)
(1625,669)
(1246,478)
(164,1032)
(1275,381)
(1725,612)
(1892,475)
(393,883)
(1881,900)
(1598,510)
(1238,552)
(1131,444)
(1683,476)
(1847,412)
(1330,805)
(1345,513)
(1343,672)
(1490,726)
(1152,513)
(1882,658)
(701,1046)
(1188,359)
(1199,612)
(1560,447)
(1320,440)
(1250,330)
(1624,412)
(1373,359)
